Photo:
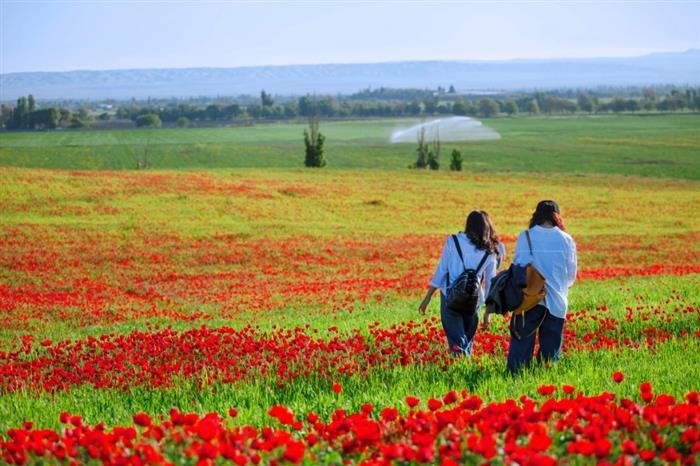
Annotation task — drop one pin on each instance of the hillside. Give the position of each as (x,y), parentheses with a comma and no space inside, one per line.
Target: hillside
(667,68)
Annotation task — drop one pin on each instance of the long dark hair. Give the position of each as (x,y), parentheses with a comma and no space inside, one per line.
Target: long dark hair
(495,240)
(479,231)
(547,211)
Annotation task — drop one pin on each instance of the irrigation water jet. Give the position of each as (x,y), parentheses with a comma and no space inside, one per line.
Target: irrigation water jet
(451,129)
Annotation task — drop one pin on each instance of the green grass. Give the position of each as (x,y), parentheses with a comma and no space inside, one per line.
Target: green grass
(598,208)
(657,292)
(670,367)
(659,145)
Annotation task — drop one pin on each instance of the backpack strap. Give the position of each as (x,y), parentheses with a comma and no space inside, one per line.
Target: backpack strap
(459,251)
(529,243)
(481,264)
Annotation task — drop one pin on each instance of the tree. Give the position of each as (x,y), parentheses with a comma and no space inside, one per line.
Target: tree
(20,115)
(618,104)
(510,107)
(488,108)
(266,99)
(142,156)
(456,160)
(313,140)
(632,105)
(415,107)
(213,112)
(586,102)
(422,160)
(182,122)
(306,106)
(149,120)
(434,153)
(84,113)
(291,109)
(459,107)
(327,106)
(31,103)
(430,105)
(533,108)
(64,118)
(428,154)
(46,118)
(5,114)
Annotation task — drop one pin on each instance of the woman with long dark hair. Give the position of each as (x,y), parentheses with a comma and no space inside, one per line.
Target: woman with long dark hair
(552,251)
(478,244)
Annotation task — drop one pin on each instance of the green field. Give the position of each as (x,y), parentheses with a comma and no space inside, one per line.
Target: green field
(108,273)
(660,145)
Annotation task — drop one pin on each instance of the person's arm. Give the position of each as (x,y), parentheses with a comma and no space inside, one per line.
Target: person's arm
(424,304)
(486,320)
(572,264)
(501,254)
(439,277)
(489,274)
(522,252)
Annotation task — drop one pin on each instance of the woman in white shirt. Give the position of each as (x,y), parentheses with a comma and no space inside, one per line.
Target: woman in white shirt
(554,256)
(477,240)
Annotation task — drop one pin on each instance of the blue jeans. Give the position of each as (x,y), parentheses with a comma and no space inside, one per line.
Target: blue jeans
(459,329)
(537,323)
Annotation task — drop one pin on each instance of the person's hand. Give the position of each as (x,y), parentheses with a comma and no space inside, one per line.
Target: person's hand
(486,321)
(423,305)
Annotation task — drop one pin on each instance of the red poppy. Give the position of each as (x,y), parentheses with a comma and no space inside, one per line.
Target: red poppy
(434,404)
(142,419)
(546,390)
(412,401)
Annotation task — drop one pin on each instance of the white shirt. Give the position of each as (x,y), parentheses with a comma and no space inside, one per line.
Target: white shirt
(555,258)
(451,264)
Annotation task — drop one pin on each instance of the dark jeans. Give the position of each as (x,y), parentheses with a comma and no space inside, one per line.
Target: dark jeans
(459,329)
(538,323)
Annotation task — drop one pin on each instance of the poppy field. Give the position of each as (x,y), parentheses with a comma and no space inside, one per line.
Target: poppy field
(269,316)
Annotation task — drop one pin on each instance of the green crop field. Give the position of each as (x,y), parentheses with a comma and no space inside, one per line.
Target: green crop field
(665,145)
(229,305)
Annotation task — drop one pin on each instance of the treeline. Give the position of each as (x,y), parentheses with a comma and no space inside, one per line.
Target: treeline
(26,115)
(377,103)
(429,104)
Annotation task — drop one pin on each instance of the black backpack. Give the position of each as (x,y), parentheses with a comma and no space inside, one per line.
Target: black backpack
(462,295)
(511,291)
(506,292)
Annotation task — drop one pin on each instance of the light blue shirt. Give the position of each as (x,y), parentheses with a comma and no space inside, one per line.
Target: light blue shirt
(555,258)
(451,264)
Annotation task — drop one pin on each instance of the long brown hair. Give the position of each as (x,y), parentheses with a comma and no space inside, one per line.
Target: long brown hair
(478,230)
(547,211)
(495,240)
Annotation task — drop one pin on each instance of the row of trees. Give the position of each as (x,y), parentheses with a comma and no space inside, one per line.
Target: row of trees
(434,104)
(26,115)
(423,103)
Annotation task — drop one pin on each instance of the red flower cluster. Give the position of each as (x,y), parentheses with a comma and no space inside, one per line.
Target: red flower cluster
(165,275)
(458,429)
(157,358)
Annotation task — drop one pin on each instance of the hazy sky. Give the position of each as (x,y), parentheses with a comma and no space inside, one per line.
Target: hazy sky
(60,35)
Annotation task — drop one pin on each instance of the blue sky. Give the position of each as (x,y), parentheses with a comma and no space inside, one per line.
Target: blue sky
(70,35)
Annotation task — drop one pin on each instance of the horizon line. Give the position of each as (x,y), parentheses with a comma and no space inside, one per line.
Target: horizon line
(464,60)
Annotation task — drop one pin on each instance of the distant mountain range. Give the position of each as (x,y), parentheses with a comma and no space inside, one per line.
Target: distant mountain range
(682,68)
